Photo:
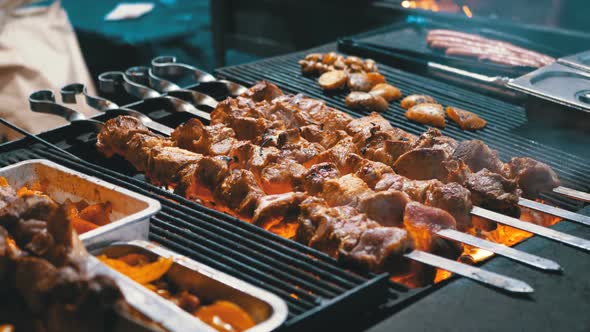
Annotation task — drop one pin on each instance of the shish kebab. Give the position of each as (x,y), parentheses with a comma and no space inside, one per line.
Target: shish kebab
(346,233)
(248,120)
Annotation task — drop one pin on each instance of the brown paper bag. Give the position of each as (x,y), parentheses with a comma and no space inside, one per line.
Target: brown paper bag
(38,50)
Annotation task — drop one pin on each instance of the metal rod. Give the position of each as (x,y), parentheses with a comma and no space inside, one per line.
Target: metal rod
(572,193)
(532,228)
(37,138)
(471,272)
(502,250)
(555,211)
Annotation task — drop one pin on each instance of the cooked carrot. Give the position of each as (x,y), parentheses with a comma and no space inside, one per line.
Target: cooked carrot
(97,213)
(142,274)
(82,226)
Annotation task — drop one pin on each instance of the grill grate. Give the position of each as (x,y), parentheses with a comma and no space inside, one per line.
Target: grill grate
(503,118)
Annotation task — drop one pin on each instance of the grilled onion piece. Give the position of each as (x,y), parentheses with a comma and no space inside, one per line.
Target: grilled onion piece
(333,80)
(465,119)
(413,100)
(366,101)
(364,81)
(387,91)
(428,113)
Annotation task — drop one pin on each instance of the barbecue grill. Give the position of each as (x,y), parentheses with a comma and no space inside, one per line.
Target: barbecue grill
(317,290)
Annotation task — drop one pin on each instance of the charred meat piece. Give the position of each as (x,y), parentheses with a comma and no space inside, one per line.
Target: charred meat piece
(369,171)
(413,100)
(453,198)
(297,148)
(366,102)
(7,195)
(532,176)
(28,207)
(331,229)
(477,155)
(384,207)
(275,209)
(116,132)
(380,249)
(427,113)
(263,91)
(240,192)
(434,139)
(423,222)
(465,119)
(338,153)
(208,140)
(333,80)
(493,191)
(253,157)
(140,147)
(364,81)
(422,164)
(387,91)
(314,111)
(317,175)
(282,176)
(165,164)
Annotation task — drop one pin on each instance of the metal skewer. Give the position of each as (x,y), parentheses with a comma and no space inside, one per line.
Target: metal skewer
(502,250)
(43,101)
(532,228)
(471,272)
(166,67)
(555,211)
(572,193)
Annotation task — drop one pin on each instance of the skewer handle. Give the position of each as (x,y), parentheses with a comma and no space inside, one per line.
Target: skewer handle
(502,250)
(471,272)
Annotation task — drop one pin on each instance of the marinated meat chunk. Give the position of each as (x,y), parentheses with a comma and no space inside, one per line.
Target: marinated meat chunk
(209,174)
(331,229)
(282,176)
(165,164)
(381,249)
(369,171)
(367,123)
(275,209)
(423,222)
(493,191)
(253,157)
(533,177)
(434,139)
(7,195)
(28,207)
(453,198)
(240,192)
(263,91)
(477,155)
(232,108)
(317,175)
(422,164)
(338,153)
(297,148)
(385,207)
(116,132)
(139,149)
(208,140)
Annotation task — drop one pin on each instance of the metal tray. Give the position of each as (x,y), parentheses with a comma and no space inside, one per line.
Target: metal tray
(579,61)
(157,309)
(557,83)
(267,310)
(131,211)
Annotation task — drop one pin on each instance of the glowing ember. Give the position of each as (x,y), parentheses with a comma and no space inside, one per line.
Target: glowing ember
(433,5)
